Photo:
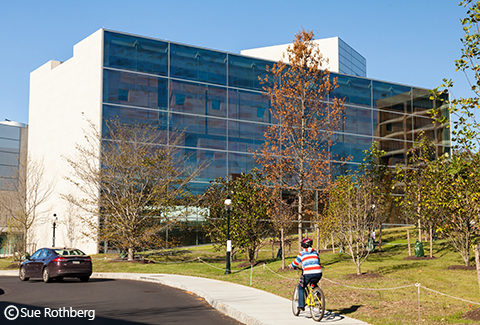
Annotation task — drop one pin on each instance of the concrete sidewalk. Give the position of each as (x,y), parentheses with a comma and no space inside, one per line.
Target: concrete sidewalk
(245,304)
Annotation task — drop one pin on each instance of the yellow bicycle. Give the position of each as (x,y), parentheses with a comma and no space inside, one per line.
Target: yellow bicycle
(314,298)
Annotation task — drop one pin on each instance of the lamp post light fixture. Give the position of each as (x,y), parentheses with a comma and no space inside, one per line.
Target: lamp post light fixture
(54,220)
(228,207)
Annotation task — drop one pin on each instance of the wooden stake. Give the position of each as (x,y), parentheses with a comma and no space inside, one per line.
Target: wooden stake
(477,262)
(408,241)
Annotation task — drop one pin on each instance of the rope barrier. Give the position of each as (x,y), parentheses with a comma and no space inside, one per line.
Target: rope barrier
(371,289)
(471,302)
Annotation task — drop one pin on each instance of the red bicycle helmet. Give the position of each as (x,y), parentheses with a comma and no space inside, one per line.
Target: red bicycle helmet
(307,242)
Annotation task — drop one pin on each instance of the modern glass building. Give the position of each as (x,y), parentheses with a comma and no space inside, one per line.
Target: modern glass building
(214,97)
(13,149)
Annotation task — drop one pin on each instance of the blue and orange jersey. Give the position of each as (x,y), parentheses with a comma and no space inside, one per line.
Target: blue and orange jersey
(309,260)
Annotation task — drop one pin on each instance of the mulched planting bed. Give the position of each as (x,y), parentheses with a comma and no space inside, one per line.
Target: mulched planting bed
(462,267)
(419,258)
(473,315)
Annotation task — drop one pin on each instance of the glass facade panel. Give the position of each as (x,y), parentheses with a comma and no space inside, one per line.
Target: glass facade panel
(392,97)
(216,162)
(135,89)
(241,163)
(8,171)
(9,132)
(135,53)
(8,145)
(245,137)
(249,106)
(351,145)
(356,91)
(393,125)
(196,98)
(200,131)
(9,159)
(244,72)
(198,64)
(129,115)
(358,121)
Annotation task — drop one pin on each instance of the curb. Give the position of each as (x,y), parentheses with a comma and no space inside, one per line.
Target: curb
(223,308)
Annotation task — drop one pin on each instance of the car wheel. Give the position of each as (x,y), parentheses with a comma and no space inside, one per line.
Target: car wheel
(46,275)
(23,274)
(84,278)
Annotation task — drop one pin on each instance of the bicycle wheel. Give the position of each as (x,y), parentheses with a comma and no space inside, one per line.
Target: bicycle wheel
(318,310)
(295,309)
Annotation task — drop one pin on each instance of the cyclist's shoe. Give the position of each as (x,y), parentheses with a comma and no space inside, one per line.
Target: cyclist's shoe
(301,308)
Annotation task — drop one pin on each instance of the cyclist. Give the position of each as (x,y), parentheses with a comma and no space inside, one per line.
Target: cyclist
(309,261)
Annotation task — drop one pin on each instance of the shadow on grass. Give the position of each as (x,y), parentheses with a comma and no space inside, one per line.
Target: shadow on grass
(346,311)
(400,267)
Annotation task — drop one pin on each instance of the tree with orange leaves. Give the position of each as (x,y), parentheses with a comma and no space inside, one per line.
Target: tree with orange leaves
(296,152)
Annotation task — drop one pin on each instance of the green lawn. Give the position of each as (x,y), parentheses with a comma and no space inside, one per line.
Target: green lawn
(398,306)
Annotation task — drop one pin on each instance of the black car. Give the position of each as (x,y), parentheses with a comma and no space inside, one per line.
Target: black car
(57,263)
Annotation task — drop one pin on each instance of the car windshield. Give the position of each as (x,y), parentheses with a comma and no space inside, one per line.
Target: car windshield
(68,252)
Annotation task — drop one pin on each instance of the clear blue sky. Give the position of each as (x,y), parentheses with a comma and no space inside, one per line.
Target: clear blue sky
(409,42)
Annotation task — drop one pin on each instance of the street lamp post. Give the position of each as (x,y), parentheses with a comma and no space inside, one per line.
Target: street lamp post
(228,207)
(54,220)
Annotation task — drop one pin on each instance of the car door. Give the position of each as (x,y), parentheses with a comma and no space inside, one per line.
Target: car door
(31,266)
(40,262)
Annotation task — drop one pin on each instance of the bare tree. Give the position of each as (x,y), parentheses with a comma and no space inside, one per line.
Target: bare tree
(21,198)
(350,205)
(296,150)
(132,178)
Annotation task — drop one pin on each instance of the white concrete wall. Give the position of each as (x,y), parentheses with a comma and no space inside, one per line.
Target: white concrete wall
(61,94)
(328,48)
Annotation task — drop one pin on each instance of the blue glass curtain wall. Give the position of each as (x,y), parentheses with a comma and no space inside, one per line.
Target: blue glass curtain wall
(211,103)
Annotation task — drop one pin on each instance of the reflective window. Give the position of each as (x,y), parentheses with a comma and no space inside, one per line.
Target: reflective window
(135,89)
(135,53)
(244,136)
(241,163)
(130,115)
(10,159)
(351,145)
(198,64)
(250,106)
(8,171)
(199,131)
(9,132)
(216,162)
(392,97)
(393,125)
(356,91)
(245,72)
(422,103)
(10,145)
(395,150)
(358,120)
(195,98)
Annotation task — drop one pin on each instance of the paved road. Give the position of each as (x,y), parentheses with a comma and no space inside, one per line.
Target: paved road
(105,301)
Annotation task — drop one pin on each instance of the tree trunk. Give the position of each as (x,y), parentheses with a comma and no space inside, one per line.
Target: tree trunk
(380,238)
(282,242)
(419,231)
(130,254)
(333,245)
(408,243)
(299,222)
(431,242)
(477,262)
